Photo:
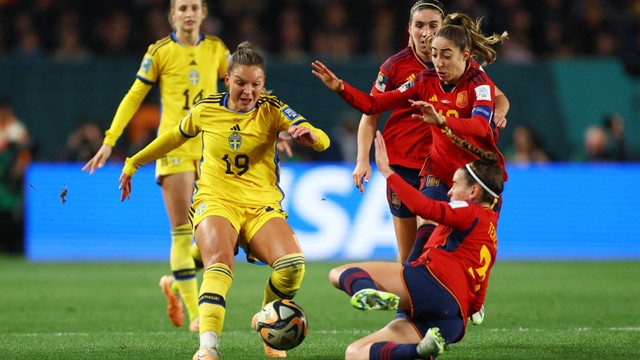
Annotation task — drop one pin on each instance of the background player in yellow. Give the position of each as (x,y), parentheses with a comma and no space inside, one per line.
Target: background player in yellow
(237,198)
(186,66)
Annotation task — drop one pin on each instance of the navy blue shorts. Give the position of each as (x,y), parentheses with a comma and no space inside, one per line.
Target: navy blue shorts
(396,206)
(433,305)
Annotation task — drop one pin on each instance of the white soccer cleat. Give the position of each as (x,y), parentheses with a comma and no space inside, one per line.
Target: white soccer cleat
(432,344)
(477,318)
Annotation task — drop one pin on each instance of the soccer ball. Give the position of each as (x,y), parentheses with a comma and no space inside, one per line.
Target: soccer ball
(282,324)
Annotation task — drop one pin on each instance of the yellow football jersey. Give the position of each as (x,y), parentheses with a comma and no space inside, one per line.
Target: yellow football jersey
(185,75)
(239,162)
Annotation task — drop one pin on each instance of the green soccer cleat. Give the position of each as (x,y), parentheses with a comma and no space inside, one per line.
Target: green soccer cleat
(372,299)
(432,344)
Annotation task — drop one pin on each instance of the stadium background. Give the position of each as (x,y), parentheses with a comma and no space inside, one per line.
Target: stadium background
(556,88)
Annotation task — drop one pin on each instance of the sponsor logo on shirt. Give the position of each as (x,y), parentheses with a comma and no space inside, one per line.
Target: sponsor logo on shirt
(483,92)
(289,113)
(381,82)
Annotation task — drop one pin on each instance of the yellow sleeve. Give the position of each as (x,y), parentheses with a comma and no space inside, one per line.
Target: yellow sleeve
(159,147)
(127,108)
(323,139)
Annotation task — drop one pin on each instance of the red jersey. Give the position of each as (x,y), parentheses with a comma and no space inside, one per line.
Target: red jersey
(463,247)
(408,140)
(468,107)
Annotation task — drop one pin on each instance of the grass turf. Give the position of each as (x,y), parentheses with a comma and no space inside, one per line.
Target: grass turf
(551,310)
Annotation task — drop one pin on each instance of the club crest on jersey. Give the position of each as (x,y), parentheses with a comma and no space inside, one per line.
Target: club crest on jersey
(462,99)
(235,141)
(194,77)
(289,113)
(395,201)
(381,82)
(431,181)
(146,65)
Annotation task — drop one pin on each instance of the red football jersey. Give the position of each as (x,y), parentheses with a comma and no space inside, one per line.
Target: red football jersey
(408,140)
(468,107)
(462,248)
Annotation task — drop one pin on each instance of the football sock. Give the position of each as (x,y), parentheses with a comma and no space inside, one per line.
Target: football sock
(184,269)
(216,281)
(285,279)
(355,279)
(389,350)
(422,235)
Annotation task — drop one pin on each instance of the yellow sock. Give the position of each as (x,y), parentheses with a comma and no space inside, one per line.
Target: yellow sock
(286,278)
(184,268)
(216,281)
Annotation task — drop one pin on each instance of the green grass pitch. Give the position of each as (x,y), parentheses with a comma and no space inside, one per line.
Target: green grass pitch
(548,310)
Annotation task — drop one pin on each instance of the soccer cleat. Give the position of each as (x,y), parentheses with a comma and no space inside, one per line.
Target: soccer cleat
(194,326)
(268,350)
(477,318)
(175,310)
(432,344)
(372,299)
(207,354)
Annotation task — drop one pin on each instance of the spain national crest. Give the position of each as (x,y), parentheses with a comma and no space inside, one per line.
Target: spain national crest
(395,201)
(462,99)
(235,141)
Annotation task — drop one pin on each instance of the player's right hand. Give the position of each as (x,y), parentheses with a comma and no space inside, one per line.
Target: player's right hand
(99,159)
(125,186)
(327,76)
(361,175)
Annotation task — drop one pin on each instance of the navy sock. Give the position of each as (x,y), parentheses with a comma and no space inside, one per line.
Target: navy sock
(422,235)
(390,350)
(355,279)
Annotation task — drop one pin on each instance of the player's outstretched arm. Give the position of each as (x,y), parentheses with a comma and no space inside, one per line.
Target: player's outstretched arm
(327,76)
(99,159)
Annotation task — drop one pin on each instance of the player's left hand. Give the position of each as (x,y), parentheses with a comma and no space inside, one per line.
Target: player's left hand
(429,113)
(283,145)
(327,76)
(382,158)
(125,187)
(500,120)
(302,135)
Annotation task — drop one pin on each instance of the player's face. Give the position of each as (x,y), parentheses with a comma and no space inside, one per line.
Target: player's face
(460,190)
(187,15)
(424,22)
(245,85)
(449,61)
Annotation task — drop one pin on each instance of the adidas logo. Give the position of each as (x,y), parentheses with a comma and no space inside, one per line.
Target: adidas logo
(236,127)
(434,98)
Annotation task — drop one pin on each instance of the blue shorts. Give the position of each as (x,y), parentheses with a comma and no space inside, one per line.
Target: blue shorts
(431,304)
(396,206)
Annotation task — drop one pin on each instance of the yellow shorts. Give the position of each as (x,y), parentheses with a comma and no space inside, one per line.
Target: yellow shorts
(246,220)
(169,165)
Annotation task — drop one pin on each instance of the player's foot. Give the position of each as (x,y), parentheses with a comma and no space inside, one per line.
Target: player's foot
(175,310)
(268,350)
(207,354)
(194,326)
(372,299)
(477,318)
(432,344)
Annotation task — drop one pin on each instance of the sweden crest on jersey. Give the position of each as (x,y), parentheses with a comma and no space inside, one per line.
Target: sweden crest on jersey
(194,77)
(235,140)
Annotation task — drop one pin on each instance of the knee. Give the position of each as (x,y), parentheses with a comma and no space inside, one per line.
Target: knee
(334,276)
(355,352)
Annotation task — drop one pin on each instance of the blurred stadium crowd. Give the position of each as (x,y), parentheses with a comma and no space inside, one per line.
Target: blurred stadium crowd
(295,29)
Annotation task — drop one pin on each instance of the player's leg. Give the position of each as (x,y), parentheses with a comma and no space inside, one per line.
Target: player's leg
(398,338)
(372,285)
(216,238)
(404,221)
(275,244)
(177,190)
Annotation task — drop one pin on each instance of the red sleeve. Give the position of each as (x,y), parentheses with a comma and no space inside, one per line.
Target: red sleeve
(438,211)
(376,104)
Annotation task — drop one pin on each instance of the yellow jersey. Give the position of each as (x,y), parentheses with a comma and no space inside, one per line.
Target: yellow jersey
(184,75)
(239,163)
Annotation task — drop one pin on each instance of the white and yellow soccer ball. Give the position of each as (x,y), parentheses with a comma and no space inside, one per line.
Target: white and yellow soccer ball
(282,324)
